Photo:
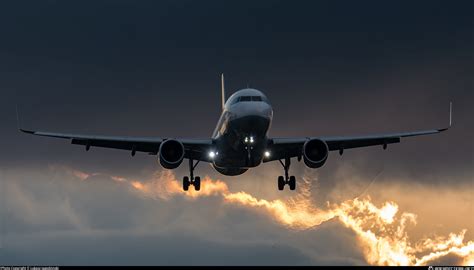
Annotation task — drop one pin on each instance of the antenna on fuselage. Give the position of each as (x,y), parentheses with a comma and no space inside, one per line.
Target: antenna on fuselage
(222,91)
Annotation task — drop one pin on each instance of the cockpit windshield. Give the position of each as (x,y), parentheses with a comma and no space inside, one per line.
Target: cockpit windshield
(249,98)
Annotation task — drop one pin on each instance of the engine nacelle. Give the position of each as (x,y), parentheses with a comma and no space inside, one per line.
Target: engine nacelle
(315,153)
(171,154)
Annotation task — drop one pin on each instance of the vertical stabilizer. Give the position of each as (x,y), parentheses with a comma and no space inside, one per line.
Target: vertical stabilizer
(222,90)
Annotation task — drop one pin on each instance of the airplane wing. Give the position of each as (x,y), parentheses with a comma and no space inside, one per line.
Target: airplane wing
(282,148)
(195,149)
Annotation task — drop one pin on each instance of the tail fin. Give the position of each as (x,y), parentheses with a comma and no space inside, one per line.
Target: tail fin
(222,91)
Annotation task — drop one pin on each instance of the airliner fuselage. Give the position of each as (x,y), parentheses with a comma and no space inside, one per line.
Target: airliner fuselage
(241,134)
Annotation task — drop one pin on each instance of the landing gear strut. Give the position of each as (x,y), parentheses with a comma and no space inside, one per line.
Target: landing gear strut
(191,180)
(282,181)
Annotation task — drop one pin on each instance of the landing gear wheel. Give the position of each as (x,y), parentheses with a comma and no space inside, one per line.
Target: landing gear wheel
(191,180)
(281,182)
(186,183)
(292,182)
(197,183)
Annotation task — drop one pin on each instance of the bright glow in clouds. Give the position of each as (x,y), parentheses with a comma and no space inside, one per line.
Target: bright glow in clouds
(381,231)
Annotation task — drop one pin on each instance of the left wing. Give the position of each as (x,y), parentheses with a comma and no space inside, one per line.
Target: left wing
(195,149)
(282,148)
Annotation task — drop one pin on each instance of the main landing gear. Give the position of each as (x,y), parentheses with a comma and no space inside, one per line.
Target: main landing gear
(282,181)
(191,180)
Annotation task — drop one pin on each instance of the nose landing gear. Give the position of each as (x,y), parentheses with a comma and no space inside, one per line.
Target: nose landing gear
(291,180)
(191,180)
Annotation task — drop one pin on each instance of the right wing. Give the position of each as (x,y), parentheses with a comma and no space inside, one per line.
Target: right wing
(282,148)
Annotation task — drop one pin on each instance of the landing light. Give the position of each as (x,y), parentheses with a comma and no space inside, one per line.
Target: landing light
(249,140)
(267,154)
(212,154)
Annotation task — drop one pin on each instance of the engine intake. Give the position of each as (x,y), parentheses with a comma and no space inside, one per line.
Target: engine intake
(171,154)
(315,153)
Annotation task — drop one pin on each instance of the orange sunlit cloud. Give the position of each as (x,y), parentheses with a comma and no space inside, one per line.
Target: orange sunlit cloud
(381,231)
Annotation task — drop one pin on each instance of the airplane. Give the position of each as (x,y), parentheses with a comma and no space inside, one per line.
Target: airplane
(239,142)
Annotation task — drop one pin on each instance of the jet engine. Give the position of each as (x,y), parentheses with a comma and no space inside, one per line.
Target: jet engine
(315,153)
(171,154)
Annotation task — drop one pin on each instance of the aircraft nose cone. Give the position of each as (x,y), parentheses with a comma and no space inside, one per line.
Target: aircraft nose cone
(263,110)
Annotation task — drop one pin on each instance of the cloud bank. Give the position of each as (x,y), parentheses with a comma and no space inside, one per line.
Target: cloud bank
(66,216)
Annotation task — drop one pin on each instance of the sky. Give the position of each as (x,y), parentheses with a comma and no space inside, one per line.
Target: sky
(152,68)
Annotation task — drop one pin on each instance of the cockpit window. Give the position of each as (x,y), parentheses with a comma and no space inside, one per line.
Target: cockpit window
(248,98)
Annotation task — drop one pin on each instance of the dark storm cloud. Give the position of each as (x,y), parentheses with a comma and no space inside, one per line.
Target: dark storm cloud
(151,68)
(338,67)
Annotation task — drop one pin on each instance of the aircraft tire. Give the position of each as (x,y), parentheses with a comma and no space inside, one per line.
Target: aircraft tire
(197,183)
(292,182)
(186,183)
(281,183)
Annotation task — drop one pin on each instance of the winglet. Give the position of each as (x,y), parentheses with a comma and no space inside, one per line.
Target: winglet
(18,123)
(450,117)
(450,113)
(222,91)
